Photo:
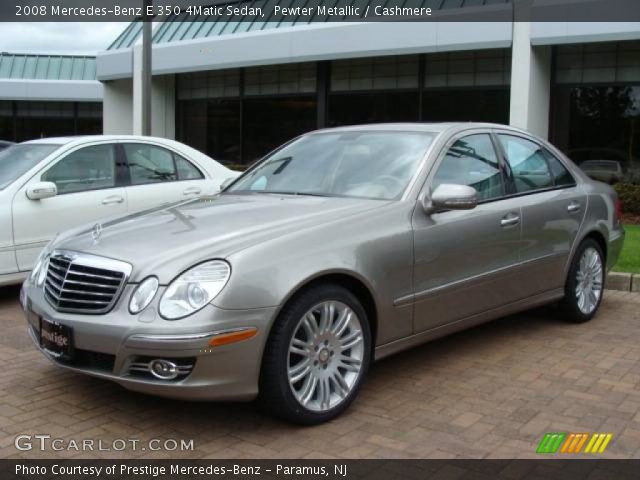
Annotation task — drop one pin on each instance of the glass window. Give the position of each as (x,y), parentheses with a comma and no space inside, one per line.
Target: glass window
(150,164)
(269,122)
(374,107)
(19,159)
(186,170)
(380,73)
(466,105)
(528,163)
(561,175)
(351,164)
(90,168)
(472,161)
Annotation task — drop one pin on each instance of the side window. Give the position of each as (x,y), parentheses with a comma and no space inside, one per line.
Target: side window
(528,163)
(150,164)
(472,161)
(89,168)
(561,176)
(186,170)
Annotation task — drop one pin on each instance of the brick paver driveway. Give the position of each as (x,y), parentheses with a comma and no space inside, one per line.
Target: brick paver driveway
(488,392)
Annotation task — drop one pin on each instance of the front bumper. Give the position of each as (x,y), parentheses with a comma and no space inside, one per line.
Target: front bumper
(107,346)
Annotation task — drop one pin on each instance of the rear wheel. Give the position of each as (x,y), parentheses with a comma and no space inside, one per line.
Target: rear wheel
(316,356)
(585,283)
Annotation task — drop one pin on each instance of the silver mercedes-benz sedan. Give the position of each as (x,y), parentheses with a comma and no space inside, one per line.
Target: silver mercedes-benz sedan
(341,247)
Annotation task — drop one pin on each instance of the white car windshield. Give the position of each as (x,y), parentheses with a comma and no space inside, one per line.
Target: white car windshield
(367,164)
(19,159)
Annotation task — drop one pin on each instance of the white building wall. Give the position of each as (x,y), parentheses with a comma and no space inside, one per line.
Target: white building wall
(530,82)
(163,111)
(117,113)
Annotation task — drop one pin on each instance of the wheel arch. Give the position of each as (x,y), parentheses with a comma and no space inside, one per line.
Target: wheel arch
(348,280)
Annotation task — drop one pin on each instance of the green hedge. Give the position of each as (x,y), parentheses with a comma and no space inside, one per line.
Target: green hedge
(629,195)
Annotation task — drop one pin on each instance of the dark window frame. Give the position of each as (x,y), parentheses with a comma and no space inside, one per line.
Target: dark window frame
(495,133)
(173,158)
(117,173)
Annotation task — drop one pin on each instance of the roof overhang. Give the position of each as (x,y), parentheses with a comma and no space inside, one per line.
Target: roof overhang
(51,90)
(314,42)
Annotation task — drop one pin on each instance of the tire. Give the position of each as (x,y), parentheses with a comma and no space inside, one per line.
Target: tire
(573,306)
(324,356)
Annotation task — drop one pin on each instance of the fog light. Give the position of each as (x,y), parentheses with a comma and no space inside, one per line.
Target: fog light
(163,369)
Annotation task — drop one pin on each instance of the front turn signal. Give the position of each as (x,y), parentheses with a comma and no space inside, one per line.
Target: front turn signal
(233,337)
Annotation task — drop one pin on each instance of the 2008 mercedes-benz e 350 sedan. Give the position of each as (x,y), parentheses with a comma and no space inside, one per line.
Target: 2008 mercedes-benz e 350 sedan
(341,247)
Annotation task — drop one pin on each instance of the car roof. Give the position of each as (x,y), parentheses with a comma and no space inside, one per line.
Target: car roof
(94,138)
(435,127)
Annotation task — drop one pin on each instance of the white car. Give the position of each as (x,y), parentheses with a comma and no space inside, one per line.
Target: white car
(53,184)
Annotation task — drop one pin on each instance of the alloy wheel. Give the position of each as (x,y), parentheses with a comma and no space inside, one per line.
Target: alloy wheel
(326,354)
(589,279)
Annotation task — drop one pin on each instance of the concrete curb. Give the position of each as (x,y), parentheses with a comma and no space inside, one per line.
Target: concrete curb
(626,282)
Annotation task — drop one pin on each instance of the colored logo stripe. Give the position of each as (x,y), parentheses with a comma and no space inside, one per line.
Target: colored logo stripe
(551,442)
(598,443)
(573,443)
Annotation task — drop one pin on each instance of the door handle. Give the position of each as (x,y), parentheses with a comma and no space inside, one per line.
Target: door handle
(574,207)
(192,191)
(112,200)
(509,220)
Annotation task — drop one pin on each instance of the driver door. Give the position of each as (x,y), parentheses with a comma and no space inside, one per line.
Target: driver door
(464,258)
(88,190)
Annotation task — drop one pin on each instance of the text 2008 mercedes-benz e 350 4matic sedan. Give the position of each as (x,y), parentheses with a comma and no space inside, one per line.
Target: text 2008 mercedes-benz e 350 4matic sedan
(341,247)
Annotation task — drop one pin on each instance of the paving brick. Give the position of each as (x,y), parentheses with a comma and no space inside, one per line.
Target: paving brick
(489,392)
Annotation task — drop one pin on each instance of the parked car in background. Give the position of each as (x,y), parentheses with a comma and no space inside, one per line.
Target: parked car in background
(344,246)
(608,171)
(4,144)
(53,184)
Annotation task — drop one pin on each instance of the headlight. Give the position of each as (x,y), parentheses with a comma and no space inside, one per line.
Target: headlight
(143,294)
(195,288)
(39,272)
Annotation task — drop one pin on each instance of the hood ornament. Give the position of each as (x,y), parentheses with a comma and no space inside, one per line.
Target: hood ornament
(96,233)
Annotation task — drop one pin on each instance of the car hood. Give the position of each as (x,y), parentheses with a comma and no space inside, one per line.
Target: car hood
(180,235)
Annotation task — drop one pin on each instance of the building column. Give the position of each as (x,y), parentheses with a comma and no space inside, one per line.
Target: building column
(163,102)
(117,113)
(530,82)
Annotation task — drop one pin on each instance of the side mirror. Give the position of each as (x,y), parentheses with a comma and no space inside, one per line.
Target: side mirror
(451,197)
(40,190)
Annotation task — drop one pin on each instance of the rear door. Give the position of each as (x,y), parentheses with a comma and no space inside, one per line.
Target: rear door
(464,259)
(89,183)
(159,175)
(553,207)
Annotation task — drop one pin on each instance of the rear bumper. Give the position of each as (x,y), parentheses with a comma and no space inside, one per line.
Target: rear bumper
(616,241)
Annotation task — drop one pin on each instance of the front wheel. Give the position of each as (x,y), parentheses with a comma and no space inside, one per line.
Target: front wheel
(585,283)
(317,355)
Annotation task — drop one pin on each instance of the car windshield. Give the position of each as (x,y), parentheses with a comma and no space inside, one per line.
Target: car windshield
(376,165)
(19,159)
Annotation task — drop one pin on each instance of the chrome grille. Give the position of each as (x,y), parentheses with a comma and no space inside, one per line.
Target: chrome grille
(82,283)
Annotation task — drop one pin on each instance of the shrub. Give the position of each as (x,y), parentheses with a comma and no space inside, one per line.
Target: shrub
(629,195)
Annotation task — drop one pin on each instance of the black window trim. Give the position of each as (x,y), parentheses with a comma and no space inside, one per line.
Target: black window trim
(502,154)
(82,147)
(451,142)
(173,158)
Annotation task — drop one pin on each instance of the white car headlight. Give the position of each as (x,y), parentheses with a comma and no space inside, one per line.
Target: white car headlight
(194,289)
(143,294)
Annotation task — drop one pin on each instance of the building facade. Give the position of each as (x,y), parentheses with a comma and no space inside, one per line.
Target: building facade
(236,88)
(48,96)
